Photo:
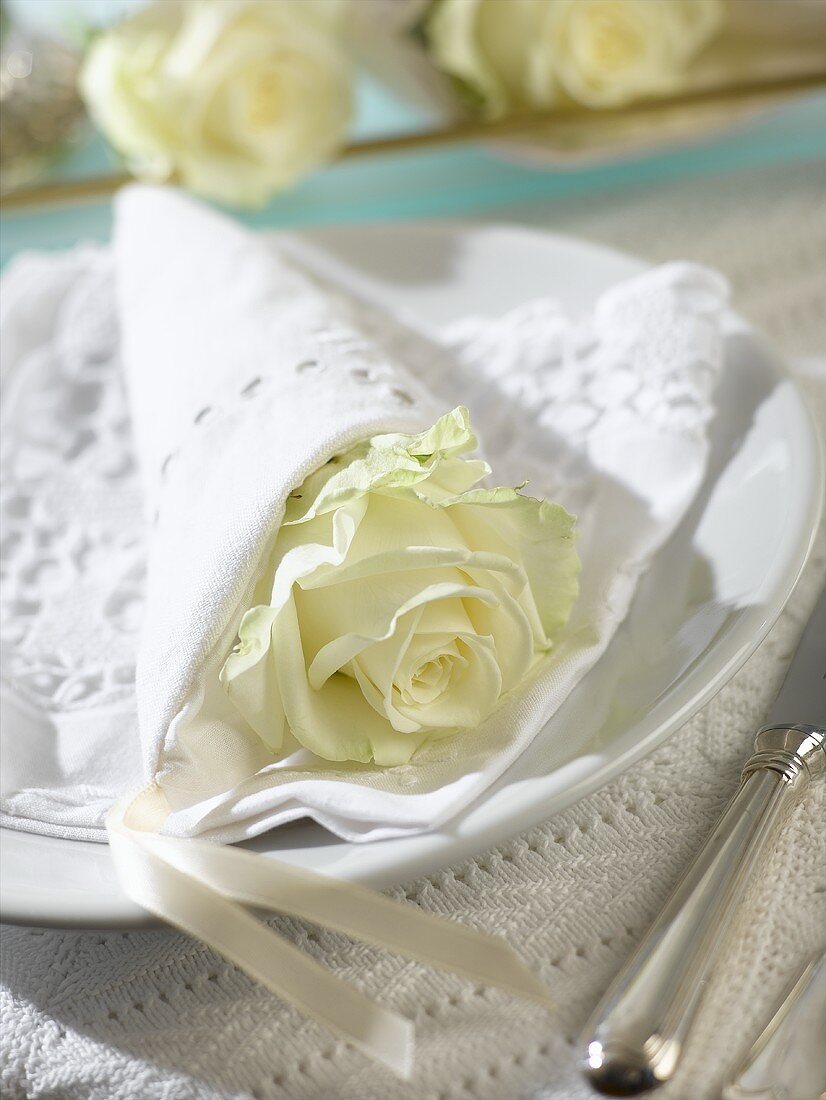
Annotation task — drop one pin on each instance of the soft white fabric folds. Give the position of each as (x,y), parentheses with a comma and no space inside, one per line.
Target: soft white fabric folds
(243,374)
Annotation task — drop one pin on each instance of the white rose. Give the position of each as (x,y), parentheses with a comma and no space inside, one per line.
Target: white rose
(234,98)
(607,52)
(488,45)
(401,601)
(522,54)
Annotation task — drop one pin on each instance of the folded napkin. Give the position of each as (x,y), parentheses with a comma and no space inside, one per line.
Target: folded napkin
(243,375)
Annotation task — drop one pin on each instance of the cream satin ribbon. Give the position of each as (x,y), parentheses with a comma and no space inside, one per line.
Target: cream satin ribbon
(197,887)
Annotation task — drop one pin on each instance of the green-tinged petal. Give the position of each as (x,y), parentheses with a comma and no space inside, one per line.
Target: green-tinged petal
(250,680)
(385,463)
(449,437)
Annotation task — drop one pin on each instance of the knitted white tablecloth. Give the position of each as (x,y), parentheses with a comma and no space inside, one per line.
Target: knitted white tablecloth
(154,1016)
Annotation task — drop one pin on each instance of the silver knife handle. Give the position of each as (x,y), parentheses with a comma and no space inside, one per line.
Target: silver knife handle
(636,1035)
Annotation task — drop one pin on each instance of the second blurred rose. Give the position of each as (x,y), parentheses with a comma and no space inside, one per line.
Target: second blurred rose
(522,54)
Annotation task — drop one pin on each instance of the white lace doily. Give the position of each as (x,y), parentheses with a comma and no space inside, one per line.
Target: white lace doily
(73,546)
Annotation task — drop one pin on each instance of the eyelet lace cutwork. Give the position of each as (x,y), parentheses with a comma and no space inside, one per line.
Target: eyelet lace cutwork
(251,387)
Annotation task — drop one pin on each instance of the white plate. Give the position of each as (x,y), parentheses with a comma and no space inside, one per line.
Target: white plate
(720,582)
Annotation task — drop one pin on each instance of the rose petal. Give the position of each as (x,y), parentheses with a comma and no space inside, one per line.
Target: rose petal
(337,722)
(376,620)
(536,533)
(472,694)
(250,681)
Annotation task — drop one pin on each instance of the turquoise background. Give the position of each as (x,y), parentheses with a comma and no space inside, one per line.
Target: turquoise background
(458,181)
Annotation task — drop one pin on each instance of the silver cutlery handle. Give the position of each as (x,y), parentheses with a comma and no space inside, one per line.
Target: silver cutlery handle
(636,1035)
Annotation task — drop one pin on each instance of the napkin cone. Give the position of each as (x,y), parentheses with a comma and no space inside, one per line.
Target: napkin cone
(245,374)
(243,377)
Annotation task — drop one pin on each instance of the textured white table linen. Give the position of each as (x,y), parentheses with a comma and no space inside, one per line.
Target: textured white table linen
(229,351)
(153,1015)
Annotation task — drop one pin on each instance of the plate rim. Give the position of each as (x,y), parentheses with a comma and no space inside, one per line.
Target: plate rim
(18,910)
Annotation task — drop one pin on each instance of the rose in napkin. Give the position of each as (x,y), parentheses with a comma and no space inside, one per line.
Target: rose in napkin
(401,600)
(244,377)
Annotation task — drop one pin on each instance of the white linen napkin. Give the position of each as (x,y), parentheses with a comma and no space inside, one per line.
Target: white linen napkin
(228,348)
(244,375)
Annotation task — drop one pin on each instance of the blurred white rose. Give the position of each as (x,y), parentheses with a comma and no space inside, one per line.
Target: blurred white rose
(234,98)
(607,52)
(518,54)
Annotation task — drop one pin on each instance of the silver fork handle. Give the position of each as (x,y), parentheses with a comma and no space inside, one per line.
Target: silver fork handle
(634,1040)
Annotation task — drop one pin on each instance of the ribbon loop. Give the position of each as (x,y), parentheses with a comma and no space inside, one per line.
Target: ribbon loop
(197,887)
